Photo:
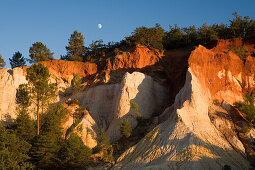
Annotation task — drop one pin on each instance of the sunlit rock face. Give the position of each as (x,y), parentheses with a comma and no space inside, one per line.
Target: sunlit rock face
(141,90)
(10,79)
(198,134)
(187,139)
(108,105)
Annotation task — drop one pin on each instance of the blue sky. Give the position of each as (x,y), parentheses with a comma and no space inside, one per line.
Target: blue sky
(23,22)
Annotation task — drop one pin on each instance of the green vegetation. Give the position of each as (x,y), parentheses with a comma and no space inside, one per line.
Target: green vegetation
(74,154)
(17,60)
(75,102)
(42,91)
(76,83)
(241,51)
(125,128)
(2,63)
(103,146)
(245,129)
(149,37)
(39,52)
(135,106)
(247,107)
(75,49)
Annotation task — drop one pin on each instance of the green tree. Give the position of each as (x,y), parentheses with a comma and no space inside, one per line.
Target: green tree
(103,145)
(75,48)
(175,38)
(2,63)
(149,37)
(17,60)
(47,145)
(13,150)
(74,154)
(42,91)
(126,128)
(39,52)
(242,26)
(24,126)
(76,83)
(23,97)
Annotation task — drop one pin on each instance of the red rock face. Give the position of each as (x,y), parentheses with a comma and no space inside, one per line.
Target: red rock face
(138,57)
(61,68)
(223,73)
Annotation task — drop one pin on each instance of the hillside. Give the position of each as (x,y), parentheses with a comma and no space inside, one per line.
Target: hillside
(188,95)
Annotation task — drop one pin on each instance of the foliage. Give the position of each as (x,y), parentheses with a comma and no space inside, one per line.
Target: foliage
(135,106)
(46,146)
(2,63)
(39,52)
(103,145)
(245,129)
(74,154)
(42,91)
(247,107)
(126,128)
(241,51)
(75,102)
(13,150)
(17,60)
(242,26)
(24,126)
(226,167)
(76,83)
(149,37)
(23,96)
(75,48)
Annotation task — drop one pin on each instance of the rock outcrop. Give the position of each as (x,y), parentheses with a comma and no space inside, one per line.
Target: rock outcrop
(187,139)
(109,104)
(141,90)
(198,134)
(10,79)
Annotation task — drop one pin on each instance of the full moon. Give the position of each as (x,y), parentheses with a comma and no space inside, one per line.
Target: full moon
(99,26)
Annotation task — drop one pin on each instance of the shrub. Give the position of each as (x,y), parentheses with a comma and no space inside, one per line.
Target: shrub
(135,106)
(245,129)
(126,128)
(247,107)
(75,102)
(104,146)
(241,51)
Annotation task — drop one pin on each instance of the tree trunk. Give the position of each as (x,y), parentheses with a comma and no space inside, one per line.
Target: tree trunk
(38,120)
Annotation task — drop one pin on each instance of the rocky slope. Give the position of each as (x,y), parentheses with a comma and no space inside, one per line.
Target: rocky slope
(197,128)
(198,133)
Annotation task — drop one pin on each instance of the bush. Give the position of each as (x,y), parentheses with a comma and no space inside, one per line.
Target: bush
(135,106)
(247,107)
(75,102)
(241,51)
(245,129)
(149,37)
(103,145)
(125,128)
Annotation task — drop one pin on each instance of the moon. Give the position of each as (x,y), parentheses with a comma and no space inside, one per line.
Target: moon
(99,26)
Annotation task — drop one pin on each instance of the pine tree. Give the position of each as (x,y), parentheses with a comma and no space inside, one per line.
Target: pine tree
(13,150)
(2,63)
(74,154)
(17,60)
(126,128)
(76,83)
(47,145)
(39,52)
(42,91)
(75,48)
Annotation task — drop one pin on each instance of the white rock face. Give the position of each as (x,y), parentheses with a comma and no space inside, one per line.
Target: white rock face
(186,140)
(10,79)
(100,102)
(109,104)
(144,91)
